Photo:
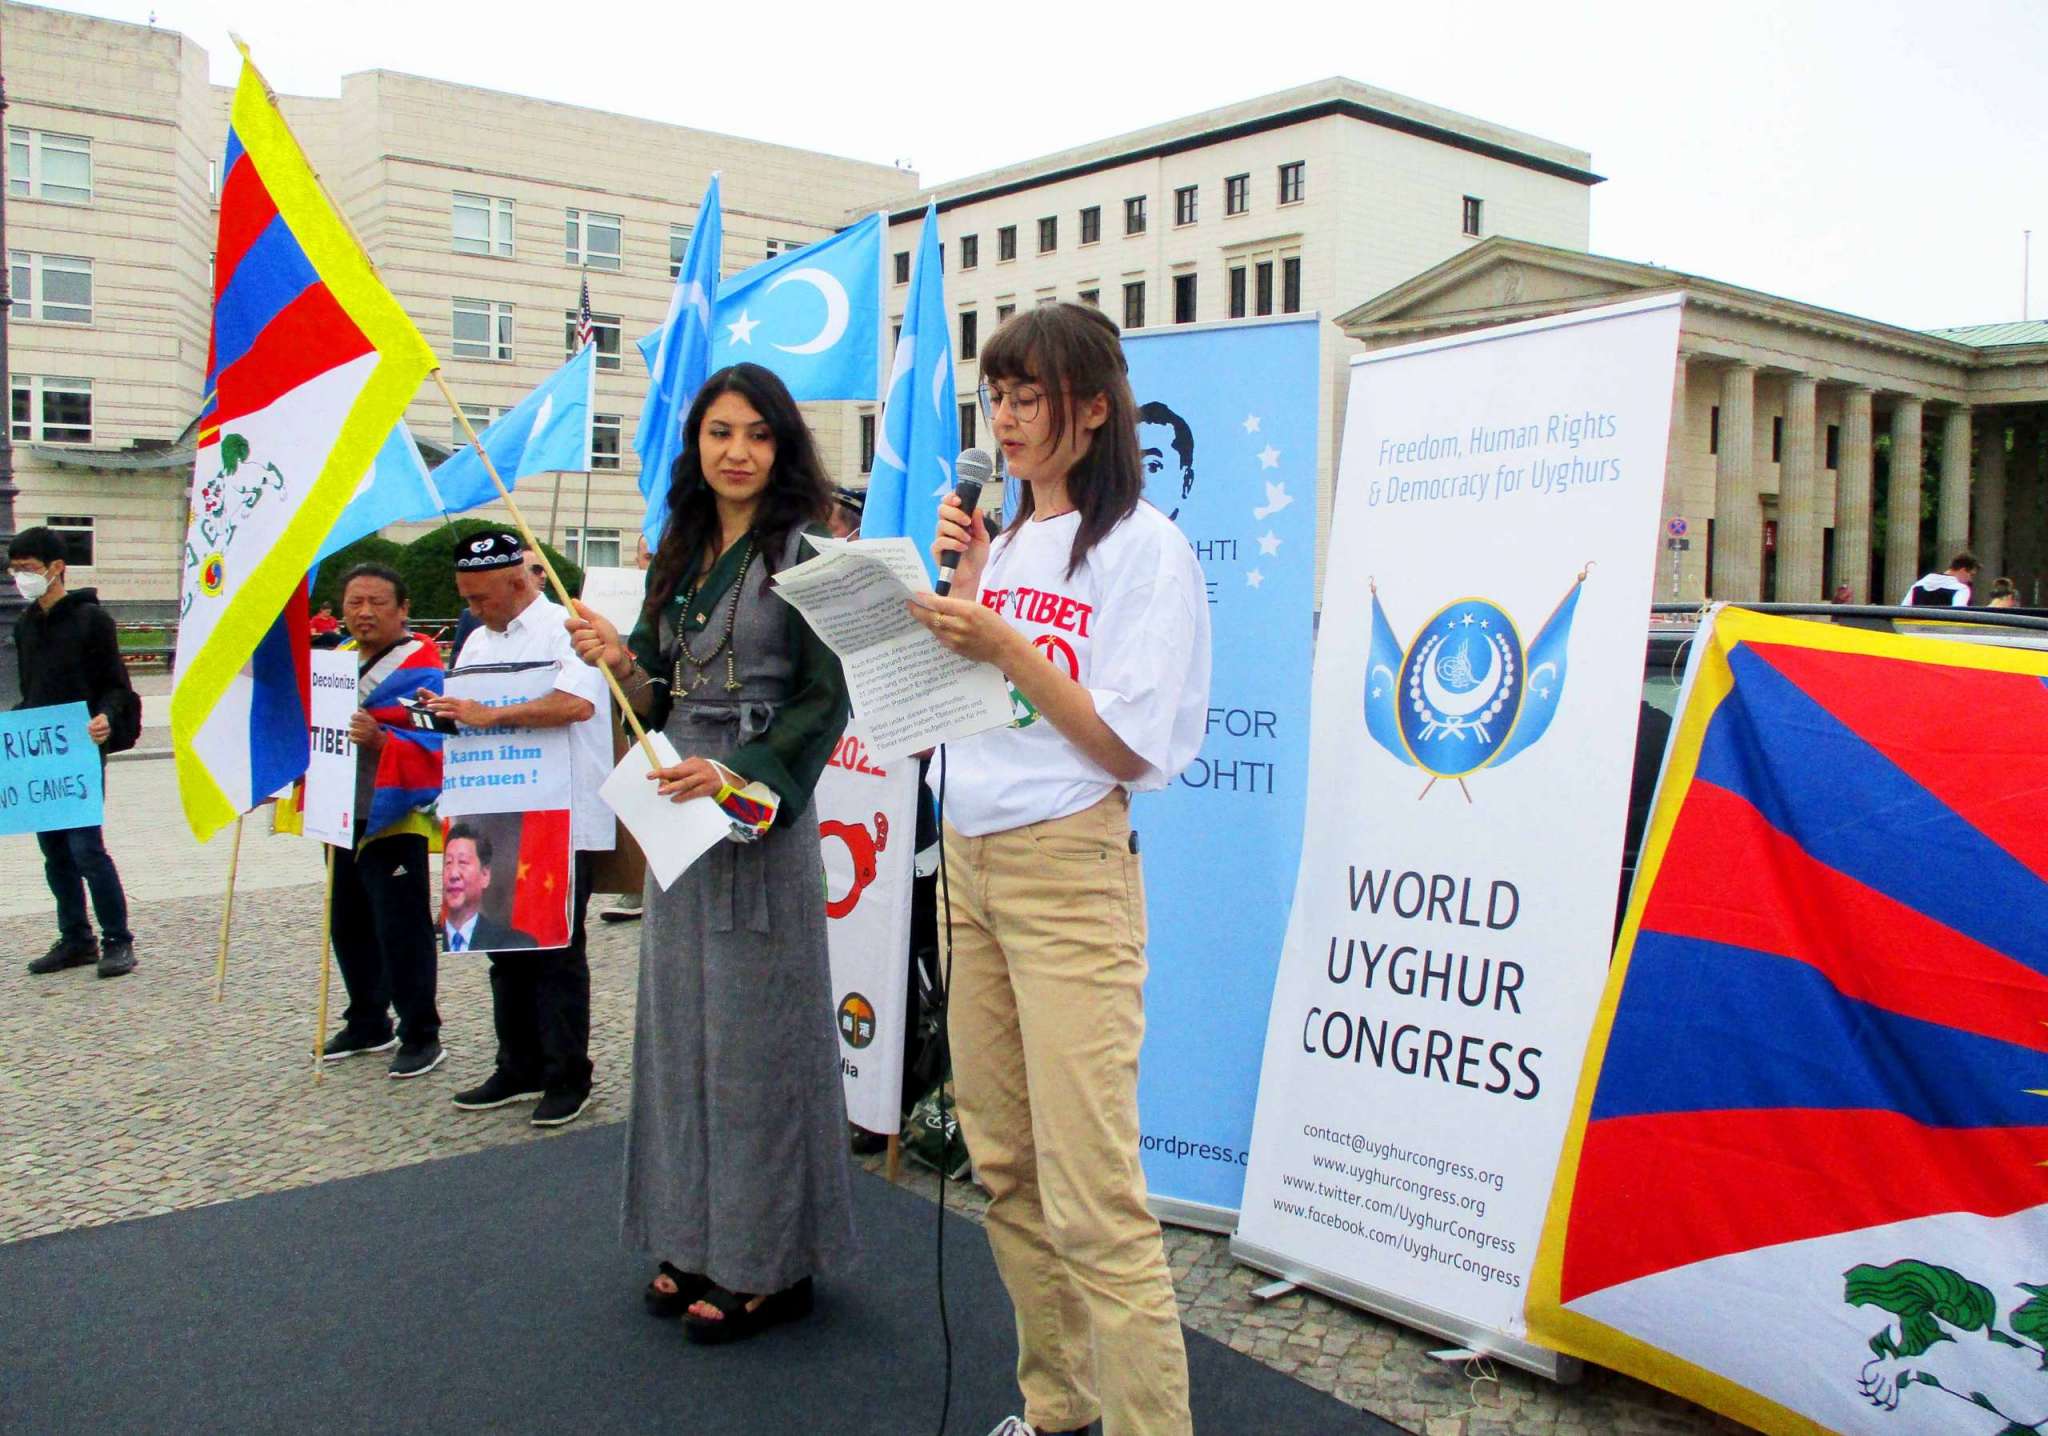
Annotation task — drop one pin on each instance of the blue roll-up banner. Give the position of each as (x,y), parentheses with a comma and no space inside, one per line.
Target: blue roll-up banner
(1227,423)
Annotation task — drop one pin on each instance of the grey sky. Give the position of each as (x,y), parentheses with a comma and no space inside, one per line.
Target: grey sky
(1876,156)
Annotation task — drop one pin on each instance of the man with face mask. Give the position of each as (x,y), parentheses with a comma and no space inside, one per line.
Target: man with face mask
(69,654)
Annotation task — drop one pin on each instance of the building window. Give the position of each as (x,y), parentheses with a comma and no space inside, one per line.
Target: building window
(678,244)
(604,332)
(1048,234)
(1291,188)
(480,416)
(51,411)
(591,240)
(54,287)
(1048,296)
(76,531)
(41,165)
(1090,297)
(1290,285)
(1714,430)
(1834,442)
(1134,304)
(1091,224)
(867,443)
(1473,213)
(1262,287)
(902,259)
(1237,291)
(967,424)
(1004,311)
(482,224)
(1237,194)
(1184,204)
(1184,299)
(773,247)
(598,549)
(970,334)
(604,441)
(1778,439)
(970,250)
(1006,243)
(483,329)
(1134,214)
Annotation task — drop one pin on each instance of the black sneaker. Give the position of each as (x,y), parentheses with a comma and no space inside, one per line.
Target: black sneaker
(117,959)
(626,909)
(345,1044)
(496,1090)
(65,953)
(559,1109)
(416,1060)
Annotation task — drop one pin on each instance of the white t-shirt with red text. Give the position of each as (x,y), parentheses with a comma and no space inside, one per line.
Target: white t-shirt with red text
(1131,625)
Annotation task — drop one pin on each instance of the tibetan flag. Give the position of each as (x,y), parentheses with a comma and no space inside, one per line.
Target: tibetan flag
(311,366)
(1806,1182)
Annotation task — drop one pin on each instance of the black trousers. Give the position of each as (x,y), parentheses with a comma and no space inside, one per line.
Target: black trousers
(75,862)
(383,930)
(540,1002)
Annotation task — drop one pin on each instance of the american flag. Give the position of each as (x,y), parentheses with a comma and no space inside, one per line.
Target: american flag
(585,330)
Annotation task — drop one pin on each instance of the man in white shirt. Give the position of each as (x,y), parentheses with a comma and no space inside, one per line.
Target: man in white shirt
(1944,590)
(540,999)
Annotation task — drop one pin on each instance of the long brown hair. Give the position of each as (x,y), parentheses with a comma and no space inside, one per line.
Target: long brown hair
(798,493)
(1074,352)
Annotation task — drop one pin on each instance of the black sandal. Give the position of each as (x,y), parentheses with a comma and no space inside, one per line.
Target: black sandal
(736,1321)
(690,1289)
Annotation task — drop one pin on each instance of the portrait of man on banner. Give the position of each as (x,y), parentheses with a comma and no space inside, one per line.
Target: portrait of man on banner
(505,881)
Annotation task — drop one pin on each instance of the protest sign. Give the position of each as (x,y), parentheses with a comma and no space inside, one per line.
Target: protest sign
(1476,688)
(50,773)
(329,810)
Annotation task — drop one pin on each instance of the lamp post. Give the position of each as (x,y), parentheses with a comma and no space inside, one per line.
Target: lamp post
(10,601)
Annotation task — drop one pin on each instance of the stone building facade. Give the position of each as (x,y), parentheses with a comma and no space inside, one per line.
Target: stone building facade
(1809,449)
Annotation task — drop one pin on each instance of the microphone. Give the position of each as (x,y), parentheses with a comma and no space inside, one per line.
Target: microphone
(971,470)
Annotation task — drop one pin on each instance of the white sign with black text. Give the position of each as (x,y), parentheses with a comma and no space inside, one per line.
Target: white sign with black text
(329,811)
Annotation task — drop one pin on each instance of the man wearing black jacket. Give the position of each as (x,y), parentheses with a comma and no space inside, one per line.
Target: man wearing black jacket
(69,654)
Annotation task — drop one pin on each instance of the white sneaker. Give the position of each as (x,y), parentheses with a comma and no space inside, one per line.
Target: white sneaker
(1014,1426)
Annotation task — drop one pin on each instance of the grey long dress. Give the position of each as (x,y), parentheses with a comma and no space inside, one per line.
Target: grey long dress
(736,1153)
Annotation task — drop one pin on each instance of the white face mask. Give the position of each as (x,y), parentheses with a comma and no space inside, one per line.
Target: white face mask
(32,586)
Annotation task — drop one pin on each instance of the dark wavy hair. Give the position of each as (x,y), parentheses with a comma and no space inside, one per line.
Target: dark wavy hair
(798,493)
(1074,352)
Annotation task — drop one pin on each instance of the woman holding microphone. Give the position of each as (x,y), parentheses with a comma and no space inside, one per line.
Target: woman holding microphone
(1093,606)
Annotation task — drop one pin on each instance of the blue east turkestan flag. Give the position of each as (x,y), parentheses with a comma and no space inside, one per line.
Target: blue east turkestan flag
(548,430)
(397,490)
(920,433)
(811,316)
(1383,685)
(1543,677)
(678,358)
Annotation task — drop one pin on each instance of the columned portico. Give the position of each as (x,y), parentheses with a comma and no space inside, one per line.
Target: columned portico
(1987,518)
(1902,500)
(1799,526)
(1738,518)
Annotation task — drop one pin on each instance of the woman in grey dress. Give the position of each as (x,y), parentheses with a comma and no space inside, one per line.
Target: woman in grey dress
(736,1163)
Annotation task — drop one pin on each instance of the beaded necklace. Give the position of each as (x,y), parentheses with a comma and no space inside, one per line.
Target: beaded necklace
(694,679)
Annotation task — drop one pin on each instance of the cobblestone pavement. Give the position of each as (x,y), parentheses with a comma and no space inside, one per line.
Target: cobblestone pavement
(141,1096)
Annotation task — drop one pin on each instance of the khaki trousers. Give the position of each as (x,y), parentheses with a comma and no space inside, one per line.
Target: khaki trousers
(1045,1017)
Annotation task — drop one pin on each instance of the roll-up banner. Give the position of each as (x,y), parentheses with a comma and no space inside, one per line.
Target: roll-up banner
(867,833)
(1475,697)
(1227,432)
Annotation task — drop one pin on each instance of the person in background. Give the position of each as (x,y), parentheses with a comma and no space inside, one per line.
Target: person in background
(1950,589)
(540,998)
(69,653)
(847,508)
(383,923)
(2004,593)
(325,627)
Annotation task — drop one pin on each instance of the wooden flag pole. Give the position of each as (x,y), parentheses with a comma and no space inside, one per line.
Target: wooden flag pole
(554,579)
(220,960)
(326,948)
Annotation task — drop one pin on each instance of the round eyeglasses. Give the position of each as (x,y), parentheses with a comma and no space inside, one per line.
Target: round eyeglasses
(1024,402)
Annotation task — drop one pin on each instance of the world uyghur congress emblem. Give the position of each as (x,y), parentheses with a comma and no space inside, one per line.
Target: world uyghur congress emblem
(1465,694)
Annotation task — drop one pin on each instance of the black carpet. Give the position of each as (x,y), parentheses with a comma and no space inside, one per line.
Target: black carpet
(489,1293)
